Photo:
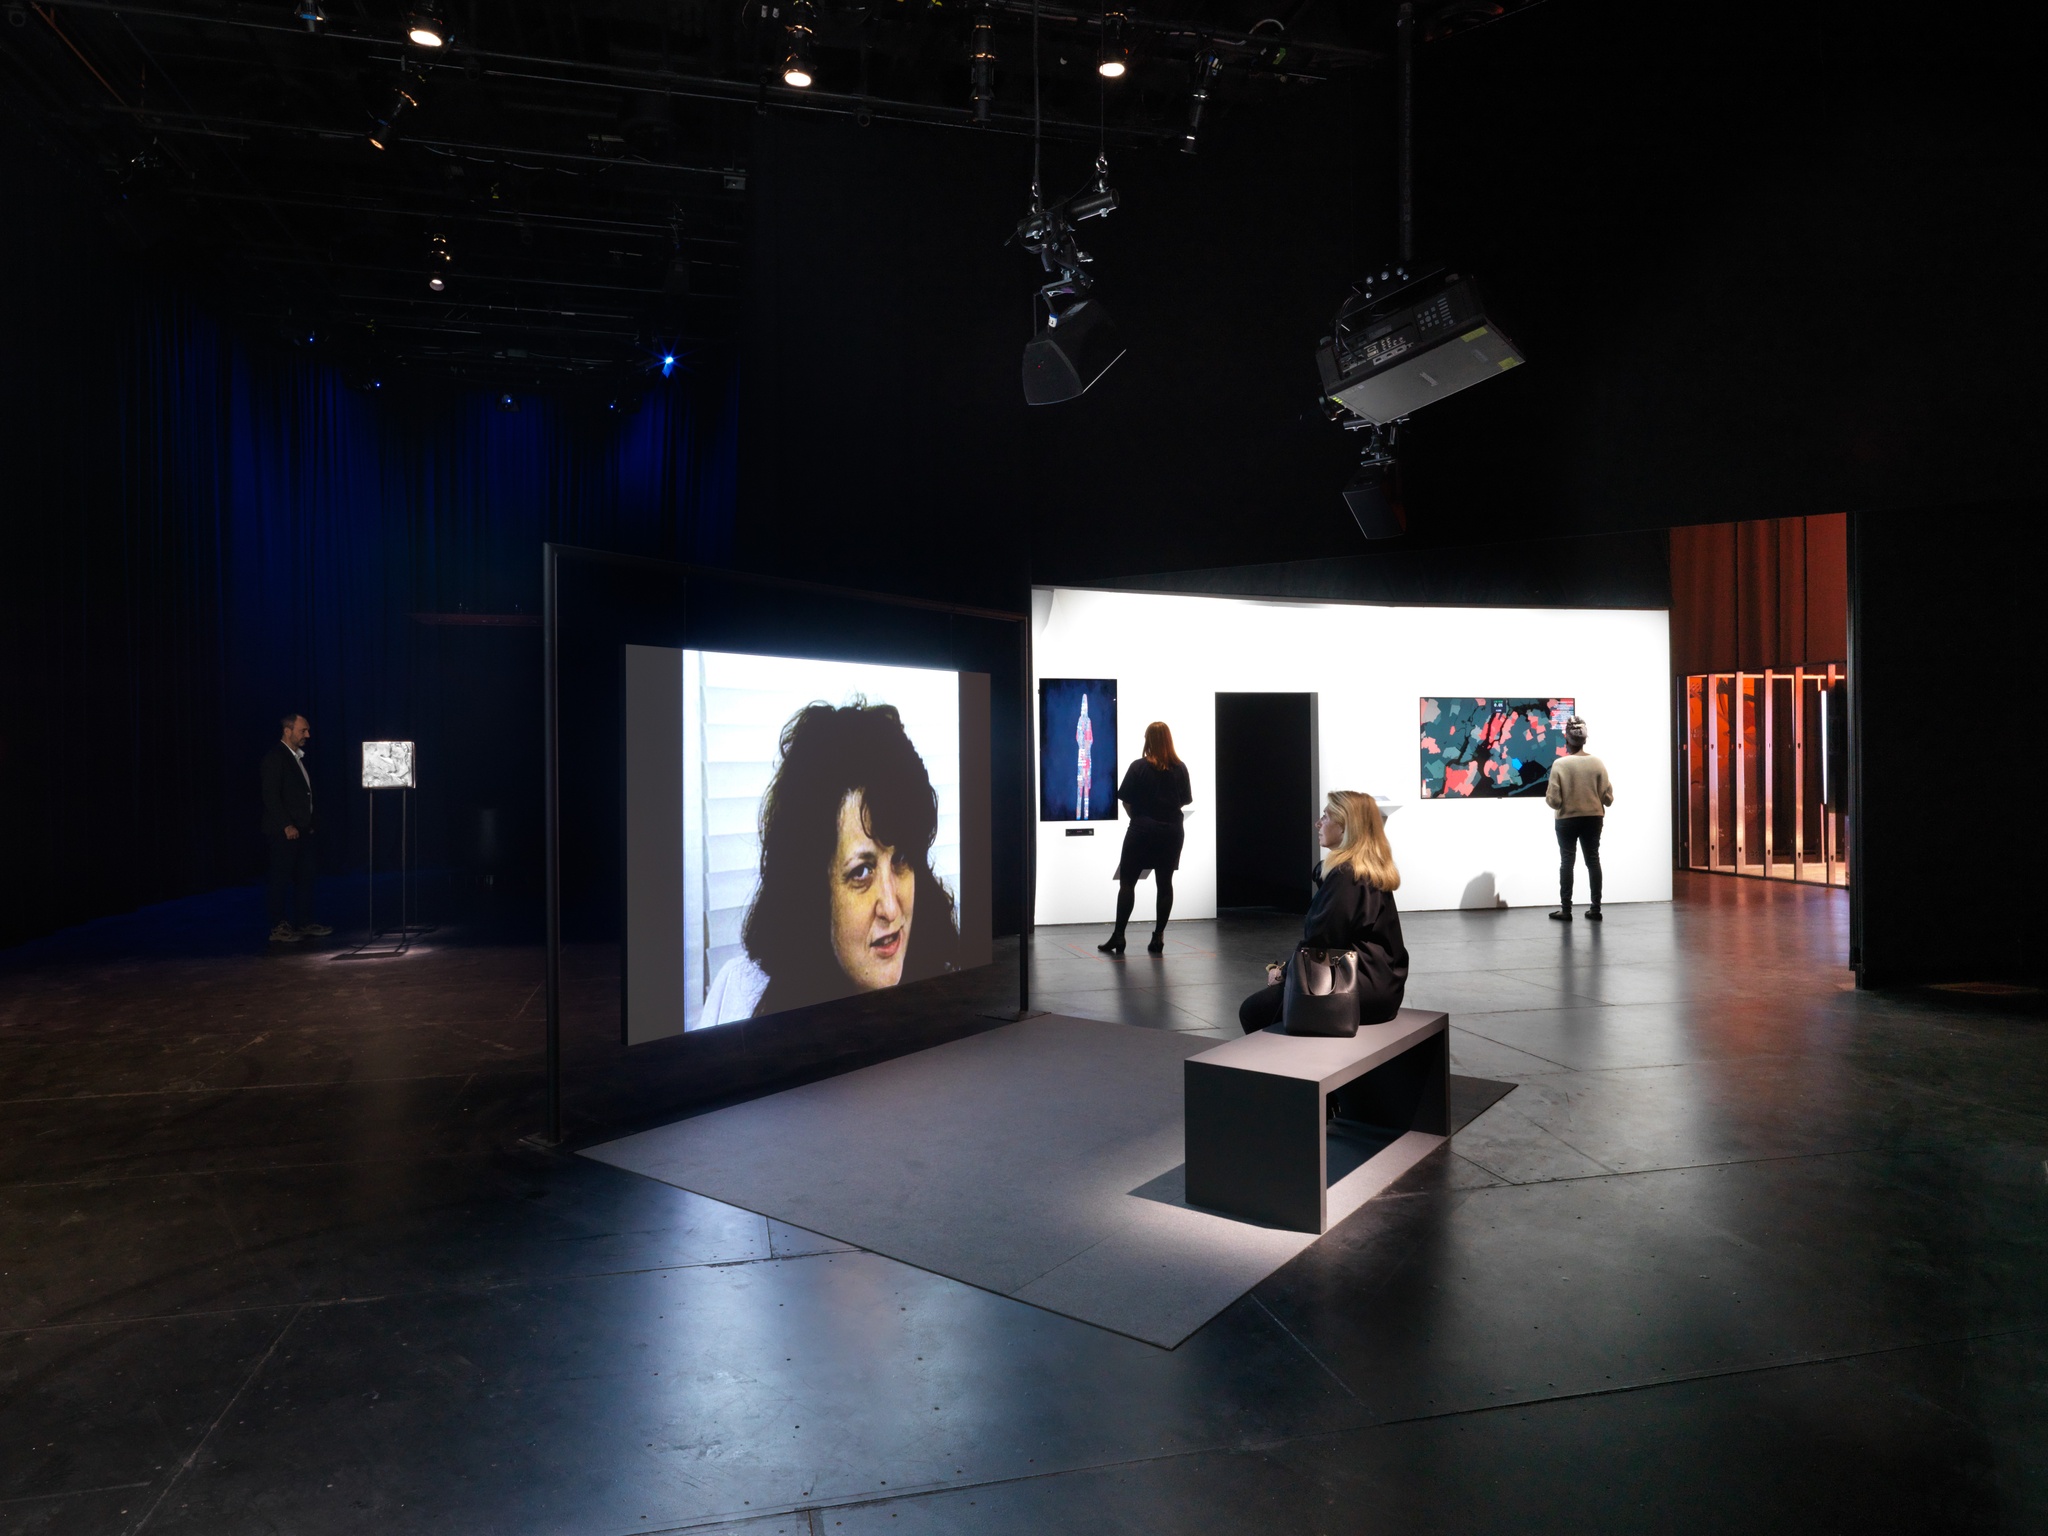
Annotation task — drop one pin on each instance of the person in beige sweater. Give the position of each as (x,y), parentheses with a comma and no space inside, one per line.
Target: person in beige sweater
(1580,794)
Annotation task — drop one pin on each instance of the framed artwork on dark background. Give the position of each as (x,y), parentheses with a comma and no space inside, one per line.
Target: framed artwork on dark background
(1077,763)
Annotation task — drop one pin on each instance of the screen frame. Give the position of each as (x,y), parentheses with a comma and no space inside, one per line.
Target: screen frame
(593,603)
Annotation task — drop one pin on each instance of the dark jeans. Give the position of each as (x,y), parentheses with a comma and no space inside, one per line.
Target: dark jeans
(291,876)
(1262,1009)
(1581,832)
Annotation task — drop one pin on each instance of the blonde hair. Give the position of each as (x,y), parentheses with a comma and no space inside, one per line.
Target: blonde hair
(1364,847)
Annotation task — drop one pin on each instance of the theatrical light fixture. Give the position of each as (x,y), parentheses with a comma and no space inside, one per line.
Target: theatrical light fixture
(1115,57)
(1206,69)
(424,26)
(983,56)
(796,63)
(312,13)
(668,364)
(404,95)
(438,262)
(1074,343)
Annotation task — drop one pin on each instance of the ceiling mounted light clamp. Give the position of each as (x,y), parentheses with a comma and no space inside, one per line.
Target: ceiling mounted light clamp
(1101,199)
(1048,234)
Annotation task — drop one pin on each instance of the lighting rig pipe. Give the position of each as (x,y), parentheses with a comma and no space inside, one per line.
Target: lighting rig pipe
(689,87)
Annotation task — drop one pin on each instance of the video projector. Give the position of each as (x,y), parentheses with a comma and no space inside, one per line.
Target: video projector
(1400,343)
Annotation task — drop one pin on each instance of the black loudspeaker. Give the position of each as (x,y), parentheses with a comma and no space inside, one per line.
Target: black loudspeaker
(1062,361)
(1374,497)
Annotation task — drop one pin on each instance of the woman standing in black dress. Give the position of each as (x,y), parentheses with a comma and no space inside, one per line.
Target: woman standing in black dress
(1154,789)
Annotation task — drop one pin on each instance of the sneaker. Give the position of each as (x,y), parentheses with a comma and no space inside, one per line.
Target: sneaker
(284,933)
(1593,915)
(314,930)
(1563,916)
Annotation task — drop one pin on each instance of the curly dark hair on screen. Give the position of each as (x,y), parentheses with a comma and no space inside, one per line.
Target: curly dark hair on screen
(827,753)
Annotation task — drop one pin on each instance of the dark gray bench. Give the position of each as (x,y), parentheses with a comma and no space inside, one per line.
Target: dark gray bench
(1258,1133)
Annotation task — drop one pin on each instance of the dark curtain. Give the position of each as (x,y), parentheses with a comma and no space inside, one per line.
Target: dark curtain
(1772,592)
(205,530)
(1948,828)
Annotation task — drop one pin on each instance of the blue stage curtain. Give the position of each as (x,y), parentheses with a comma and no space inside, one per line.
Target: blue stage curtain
(204,529)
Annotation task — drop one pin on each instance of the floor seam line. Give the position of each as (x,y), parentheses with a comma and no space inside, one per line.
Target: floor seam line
(486,1288)
(1298,1344)
(338,1082)
(70,1493)
(226,1408)
(865,1500)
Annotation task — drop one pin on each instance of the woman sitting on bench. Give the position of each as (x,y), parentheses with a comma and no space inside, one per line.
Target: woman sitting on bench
(1353,909)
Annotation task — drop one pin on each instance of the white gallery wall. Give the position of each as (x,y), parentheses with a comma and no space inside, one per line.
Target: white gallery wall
(1370,667)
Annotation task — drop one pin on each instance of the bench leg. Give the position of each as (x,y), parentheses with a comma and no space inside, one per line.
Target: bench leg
(1255,1146)
(1410,1093)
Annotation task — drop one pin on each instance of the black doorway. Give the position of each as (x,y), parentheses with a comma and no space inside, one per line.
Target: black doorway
(1265,799)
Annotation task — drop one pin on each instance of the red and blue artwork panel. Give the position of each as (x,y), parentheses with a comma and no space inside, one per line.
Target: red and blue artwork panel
(1475,749)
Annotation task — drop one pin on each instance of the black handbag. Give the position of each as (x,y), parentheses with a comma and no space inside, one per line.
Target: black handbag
(1321,996)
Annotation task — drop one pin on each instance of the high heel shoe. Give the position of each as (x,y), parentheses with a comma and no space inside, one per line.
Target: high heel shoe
(1157,946)
(1115,946)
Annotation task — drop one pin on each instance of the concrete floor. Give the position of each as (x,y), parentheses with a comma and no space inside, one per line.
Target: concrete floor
(1745,1250)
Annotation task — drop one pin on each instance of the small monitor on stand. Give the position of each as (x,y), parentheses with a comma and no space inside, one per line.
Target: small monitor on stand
(388,765)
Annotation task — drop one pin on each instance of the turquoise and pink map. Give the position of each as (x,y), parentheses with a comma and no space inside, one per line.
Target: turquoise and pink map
(1490,748)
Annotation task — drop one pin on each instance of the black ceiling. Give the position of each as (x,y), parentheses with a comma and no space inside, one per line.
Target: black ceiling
(584,165)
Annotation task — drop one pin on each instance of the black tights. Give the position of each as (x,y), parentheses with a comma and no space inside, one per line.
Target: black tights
(1127,898)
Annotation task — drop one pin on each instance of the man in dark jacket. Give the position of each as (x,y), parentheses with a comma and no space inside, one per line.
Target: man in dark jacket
(288,826)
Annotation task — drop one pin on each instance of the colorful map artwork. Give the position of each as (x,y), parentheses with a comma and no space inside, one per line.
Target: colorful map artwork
(1479,748)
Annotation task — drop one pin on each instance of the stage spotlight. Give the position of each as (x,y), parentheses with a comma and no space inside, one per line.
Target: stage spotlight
(668,364)
(1206,69)
(1115,57)
(796,63)
(508,402)
(983,55)
(424,27)
(404,95)
(312,13)
(438,262)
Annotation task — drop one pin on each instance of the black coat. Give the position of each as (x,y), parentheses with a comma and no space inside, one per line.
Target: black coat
(287,794)
(1349,914)
(1154,797)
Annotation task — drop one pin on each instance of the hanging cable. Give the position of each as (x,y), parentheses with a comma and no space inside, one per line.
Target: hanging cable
(1037,201)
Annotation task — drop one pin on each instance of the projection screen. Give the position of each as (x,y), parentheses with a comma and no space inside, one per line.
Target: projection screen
(797,831)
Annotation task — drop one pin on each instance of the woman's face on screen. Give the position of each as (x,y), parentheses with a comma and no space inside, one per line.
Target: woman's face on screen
(872,896)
